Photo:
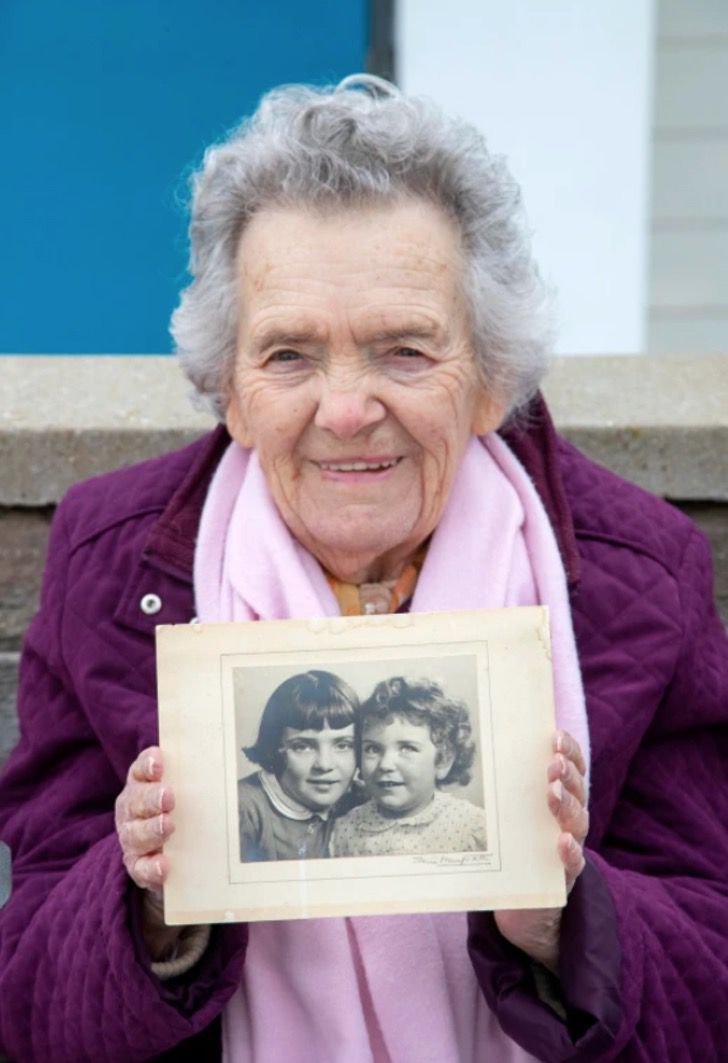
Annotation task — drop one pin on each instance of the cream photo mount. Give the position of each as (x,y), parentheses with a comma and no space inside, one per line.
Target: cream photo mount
(213,680)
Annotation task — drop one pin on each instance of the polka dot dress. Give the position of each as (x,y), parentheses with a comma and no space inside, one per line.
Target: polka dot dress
(447,825)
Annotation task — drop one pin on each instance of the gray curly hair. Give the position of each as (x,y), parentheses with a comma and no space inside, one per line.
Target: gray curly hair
(345,147)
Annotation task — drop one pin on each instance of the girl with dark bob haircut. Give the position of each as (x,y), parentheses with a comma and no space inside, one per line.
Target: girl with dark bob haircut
(306,752)
(308,701)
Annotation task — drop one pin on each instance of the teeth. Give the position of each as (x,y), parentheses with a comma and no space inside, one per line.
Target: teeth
(356,466)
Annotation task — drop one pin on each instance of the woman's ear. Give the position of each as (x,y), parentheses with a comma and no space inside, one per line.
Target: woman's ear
(444,763)
(236,422)
(488,413)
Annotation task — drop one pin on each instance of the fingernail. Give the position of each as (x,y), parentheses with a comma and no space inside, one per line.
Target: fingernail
(158,869)
(562,764)
(557,790)
(559,742)
(150,767)
(161,799)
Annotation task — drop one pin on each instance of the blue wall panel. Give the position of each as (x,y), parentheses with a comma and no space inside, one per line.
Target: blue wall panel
(103,105)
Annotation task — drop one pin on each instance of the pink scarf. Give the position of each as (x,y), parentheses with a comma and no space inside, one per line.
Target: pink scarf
(385,989)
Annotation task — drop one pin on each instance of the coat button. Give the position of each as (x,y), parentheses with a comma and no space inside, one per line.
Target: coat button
(150,604)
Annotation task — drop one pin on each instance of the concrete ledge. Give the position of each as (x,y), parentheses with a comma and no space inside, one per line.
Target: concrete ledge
(66,418)
(660,421)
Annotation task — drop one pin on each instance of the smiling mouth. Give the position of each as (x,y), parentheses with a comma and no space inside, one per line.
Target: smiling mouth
(358,466)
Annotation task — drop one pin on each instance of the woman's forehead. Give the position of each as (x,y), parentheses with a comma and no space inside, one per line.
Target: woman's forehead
(293,264)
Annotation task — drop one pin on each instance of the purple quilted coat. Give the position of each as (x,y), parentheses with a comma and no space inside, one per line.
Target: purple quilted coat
(644,950)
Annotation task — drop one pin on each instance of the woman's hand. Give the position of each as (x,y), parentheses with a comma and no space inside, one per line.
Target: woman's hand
(143,824)
(536,931)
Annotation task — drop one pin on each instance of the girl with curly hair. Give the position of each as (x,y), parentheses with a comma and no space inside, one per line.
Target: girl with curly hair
(413,741)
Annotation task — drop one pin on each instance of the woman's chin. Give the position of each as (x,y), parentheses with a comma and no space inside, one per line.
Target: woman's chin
(360,559)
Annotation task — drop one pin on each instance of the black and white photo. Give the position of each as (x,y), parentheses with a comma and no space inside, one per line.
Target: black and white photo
(374,759)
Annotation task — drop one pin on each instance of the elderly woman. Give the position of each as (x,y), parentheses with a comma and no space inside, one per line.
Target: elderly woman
(366,319)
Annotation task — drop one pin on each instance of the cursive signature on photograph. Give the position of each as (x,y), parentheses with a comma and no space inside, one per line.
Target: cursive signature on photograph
(453,859)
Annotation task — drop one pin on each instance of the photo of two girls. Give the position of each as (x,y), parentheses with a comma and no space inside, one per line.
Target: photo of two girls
(393,772)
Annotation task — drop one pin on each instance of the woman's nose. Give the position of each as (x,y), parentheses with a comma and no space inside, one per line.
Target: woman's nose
(346,408)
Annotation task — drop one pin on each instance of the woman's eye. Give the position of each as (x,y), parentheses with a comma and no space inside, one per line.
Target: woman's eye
(284,357)
(407,359)
(299,747)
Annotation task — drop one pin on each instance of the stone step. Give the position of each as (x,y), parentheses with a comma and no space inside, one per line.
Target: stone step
(23,543)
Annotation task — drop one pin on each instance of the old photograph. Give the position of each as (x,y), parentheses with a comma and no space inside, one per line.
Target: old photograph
(370,759)
(358,765)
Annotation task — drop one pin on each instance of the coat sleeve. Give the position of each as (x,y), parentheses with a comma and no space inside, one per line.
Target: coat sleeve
(75,983)
(643,970)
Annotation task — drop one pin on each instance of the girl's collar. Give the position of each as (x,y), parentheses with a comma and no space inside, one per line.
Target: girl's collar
(284,804)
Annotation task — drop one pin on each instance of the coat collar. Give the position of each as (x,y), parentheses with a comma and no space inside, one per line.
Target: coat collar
(171,542)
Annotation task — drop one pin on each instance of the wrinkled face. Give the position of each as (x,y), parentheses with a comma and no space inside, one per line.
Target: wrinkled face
(400,765)
(319,765)
(355,378)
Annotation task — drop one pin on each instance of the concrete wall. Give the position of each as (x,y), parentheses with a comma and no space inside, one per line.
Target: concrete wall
(661,421)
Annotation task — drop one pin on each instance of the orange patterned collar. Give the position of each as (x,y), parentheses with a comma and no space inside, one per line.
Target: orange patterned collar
(384,597)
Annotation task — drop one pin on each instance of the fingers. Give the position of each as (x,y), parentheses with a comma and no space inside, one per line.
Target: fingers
(140,837)
(144,794)
(568,746)
(147,767)
(567,802)
(568,810)
(143,820)
(567,784)
(571,855)
(567,772)
(144,800)
(141,847)
(149,872)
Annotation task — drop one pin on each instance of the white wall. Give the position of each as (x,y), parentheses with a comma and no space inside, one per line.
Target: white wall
(563,89)
(689,275)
